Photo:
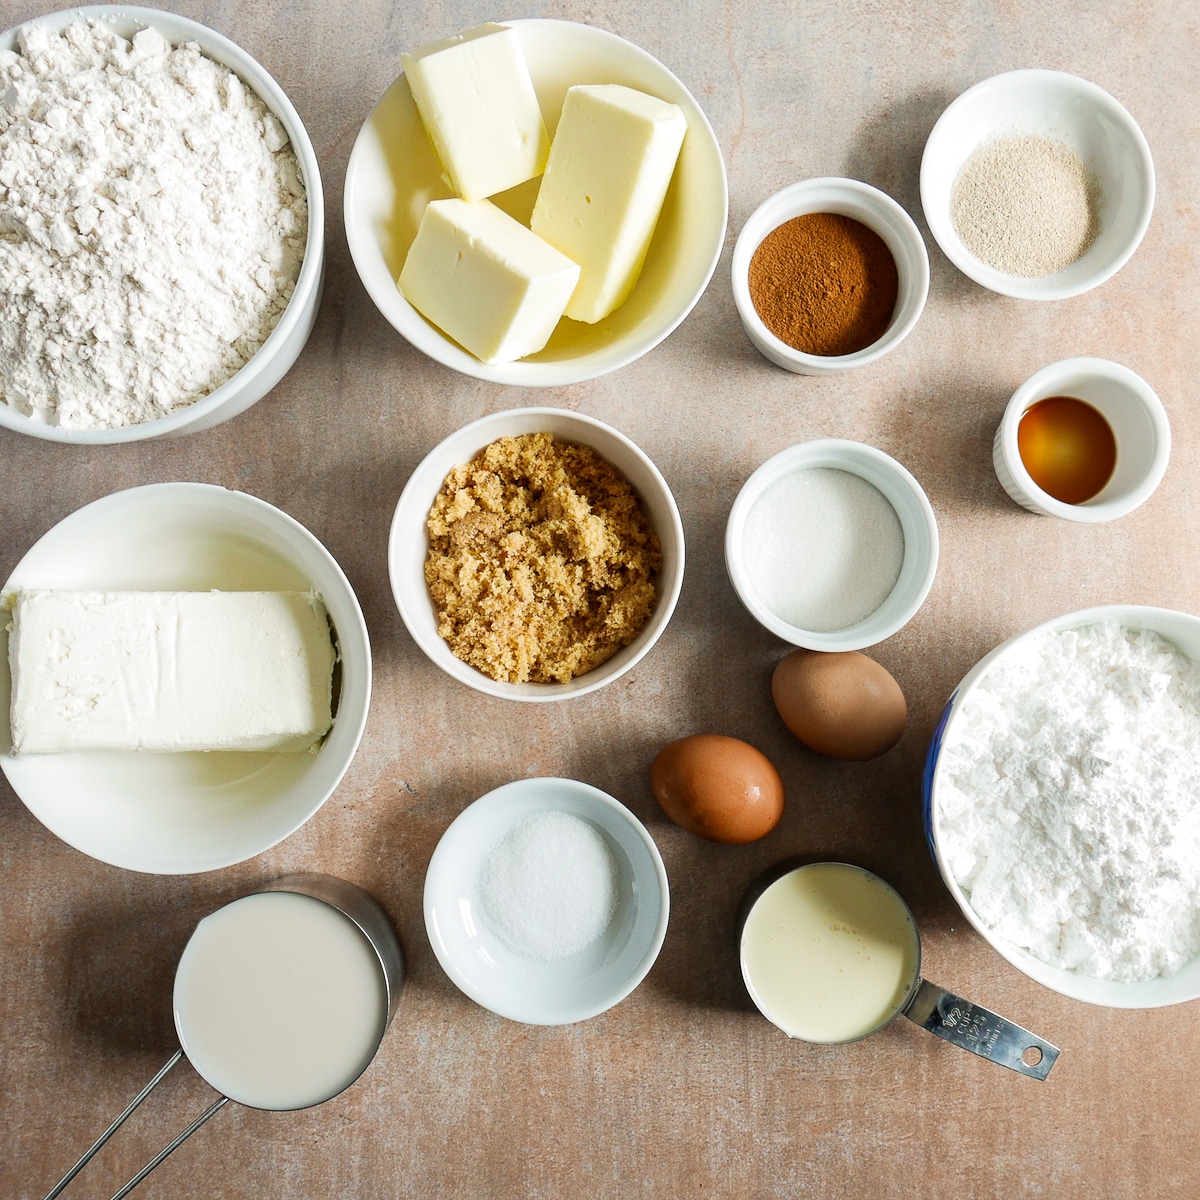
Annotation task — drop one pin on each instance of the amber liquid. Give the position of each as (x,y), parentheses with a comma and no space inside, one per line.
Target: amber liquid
(1067,447)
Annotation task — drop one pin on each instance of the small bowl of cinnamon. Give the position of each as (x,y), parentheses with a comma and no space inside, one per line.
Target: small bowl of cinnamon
(829,274)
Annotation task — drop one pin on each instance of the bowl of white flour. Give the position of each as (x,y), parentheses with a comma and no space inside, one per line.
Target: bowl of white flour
(161,227)
(1062,803)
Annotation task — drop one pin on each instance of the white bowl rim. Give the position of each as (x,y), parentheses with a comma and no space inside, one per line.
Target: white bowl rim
(1037,287)
(839,454)
(542,692)
(435,345)
(583,794)
(308,282)
(864,195)
(1105,993)
(1100,368)
(357,633)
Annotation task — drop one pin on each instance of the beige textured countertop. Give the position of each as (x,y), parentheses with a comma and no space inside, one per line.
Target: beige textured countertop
(682,1090)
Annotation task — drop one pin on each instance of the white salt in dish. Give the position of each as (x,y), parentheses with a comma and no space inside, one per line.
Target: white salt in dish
(548,888)
(1182,629)
(831,545)
(522,983)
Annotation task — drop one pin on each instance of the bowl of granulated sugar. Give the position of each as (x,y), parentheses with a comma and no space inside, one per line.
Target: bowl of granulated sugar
(831,545)
(148,306)
(1062,803)
(1037,184)
(546,901)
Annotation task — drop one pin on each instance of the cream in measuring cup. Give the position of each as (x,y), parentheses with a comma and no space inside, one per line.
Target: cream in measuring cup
(830,953)
(281,1000)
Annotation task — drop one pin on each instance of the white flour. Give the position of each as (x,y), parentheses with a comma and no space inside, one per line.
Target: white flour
(152,222)
(1070,802)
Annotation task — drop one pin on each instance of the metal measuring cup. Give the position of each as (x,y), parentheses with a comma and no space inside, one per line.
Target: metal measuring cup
(950,1017)
(365,913)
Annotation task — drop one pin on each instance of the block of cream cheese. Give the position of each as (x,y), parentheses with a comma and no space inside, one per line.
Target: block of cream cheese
(610,165)
(169,671)
(485,280)
(477,102)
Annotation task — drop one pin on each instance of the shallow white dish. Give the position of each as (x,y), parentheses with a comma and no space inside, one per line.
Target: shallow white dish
(917,522)
(865,204)
(287,339)
(1134,413)
(393,174)
(408,542)
(1184,630)
(172,814)
(568,989)
(1066,109)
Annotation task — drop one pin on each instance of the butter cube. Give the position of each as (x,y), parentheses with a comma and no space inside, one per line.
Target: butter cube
(485,280)
(610,165)
(477,101)
(169,671)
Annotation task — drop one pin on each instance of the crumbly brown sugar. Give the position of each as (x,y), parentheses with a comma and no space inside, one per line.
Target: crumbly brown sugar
(541,561)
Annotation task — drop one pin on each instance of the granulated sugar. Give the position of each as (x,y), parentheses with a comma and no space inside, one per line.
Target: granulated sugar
(1025,205)
(823,548)
(152,223)
(1070,802)
(549,889)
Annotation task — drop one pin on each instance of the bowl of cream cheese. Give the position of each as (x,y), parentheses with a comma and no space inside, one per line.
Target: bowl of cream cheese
(134,304)
(1061,803)
(188,581)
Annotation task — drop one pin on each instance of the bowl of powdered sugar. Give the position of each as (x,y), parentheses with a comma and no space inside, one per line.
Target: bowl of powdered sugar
(161,227)
(1037,184)
(1062,803)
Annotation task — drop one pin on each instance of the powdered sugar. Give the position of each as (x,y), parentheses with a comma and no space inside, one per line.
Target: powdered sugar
(1070,801)
(152,223)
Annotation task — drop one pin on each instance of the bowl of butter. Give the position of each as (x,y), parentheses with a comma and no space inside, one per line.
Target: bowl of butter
(186,676)
(536,202)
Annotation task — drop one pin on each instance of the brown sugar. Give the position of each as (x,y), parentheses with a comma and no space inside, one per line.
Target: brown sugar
(541,562)
(824,284)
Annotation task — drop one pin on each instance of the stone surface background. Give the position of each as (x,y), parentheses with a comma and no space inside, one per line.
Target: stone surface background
(681,1090)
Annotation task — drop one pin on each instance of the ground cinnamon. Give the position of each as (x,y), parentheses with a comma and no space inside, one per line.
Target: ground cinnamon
(824,284)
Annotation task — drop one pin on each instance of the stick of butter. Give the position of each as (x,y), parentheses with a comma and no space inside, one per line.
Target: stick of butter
(169,671)
(485,280)
(610,165)
(477,102)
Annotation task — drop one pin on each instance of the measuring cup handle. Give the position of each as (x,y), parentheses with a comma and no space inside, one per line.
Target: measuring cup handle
(980,1030)
(211,1111)
(95,1146)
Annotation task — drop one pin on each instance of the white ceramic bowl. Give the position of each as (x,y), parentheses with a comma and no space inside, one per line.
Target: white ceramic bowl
(408,543)
(1184,630)
(1132,410)
(1065,109)
(393,173)
(865,204)
(174,814)
(917,522)
(567,989)
(287,339)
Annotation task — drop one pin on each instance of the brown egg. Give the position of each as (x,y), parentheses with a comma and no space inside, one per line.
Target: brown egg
(841,705)
(718,788)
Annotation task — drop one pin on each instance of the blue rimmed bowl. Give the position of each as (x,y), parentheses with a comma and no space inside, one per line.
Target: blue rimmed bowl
(1183,630)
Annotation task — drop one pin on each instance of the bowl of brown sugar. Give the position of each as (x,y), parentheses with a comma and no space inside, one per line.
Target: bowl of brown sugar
(829,274)
(536,554)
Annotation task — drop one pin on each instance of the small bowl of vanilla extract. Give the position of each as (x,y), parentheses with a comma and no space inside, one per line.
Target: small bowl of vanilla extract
(1084,439)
